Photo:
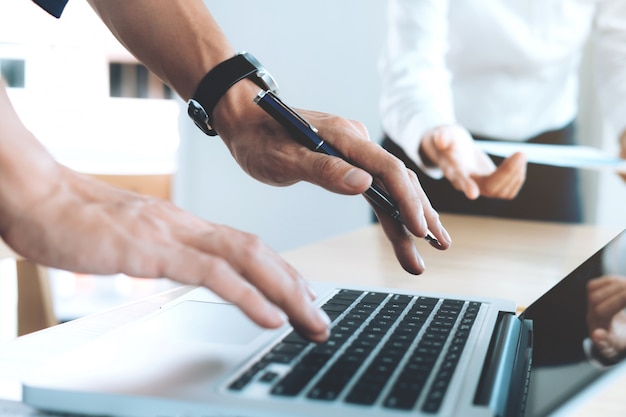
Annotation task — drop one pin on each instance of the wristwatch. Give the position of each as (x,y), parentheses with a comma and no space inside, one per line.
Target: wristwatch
(217,81)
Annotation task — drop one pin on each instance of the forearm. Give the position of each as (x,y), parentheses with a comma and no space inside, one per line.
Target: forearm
(415,80)
(27,171)
(178,40)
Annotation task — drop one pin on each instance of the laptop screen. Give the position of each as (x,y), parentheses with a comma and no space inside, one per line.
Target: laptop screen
(579,329)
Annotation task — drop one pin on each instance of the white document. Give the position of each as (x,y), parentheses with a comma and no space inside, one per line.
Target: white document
(572,156)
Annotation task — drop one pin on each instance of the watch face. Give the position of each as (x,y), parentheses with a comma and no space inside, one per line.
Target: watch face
(266,78)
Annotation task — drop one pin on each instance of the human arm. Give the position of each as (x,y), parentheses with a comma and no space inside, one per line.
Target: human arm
(180,42)
(57,217)
(417,108)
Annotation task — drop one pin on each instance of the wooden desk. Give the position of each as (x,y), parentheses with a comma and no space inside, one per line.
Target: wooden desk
(509,259)
(517,260)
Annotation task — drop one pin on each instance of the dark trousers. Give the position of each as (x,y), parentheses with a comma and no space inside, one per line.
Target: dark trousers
(549,193)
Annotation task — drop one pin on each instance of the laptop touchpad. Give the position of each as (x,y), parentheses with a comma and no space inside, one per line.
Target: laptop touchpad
(200,321)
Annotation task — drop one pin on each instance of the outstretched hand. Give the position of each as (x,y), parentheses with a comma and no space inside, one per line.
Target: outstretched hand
(469,169)
(265,150)
(57,217)
(183,49)
(87,226)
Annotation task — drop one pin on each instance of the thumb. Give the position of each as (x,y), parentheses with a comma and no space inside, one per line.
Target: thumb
(442,140)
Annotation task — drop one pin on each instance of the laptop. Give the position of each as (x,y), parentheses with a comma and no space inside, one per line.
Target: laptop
(391,353)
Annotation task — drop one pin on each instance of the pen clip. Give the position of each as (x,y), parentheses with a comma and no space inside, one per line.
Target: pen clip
(262,93)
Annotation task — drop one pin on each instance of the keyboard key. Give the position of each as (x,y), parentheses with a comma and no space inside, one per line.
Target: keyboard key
(247,376)
(300,375)
(333,382)
(268,377)
(366,391)
(347,295)
(374,297)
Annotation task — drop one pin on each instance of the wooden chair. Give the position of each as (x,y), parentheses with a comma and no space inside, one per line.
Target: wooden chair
(34,304)
(35,309)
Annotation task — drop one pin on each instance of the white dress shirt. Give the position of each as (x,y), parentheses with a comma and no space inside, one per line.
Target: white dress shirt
(506,69)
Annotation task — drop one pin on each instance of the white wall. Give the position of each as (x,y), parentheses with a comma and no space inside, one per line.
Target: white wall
(323,55)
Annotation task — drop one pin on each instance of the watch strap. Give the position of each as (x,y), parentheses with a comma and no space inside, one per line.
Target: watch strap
(215,84)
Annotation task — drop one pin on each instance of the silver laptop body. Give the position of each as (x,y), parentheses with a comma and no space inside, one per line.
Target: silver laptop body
(199,357)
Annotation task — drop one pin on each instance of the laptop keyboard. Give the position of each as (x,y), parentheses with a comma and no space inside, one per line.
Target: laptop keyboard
(396,350)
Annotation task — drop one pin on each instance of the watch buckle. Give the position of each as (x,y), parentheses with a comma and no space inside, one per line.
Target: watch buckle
(199,116)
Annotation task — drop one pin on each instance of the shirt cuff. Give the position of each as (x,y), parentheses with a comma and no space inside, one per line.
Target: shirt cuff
(411,138)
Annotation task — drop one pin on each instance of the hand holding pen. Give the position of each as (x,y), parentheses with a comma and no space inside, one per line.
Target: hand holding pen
(306,134)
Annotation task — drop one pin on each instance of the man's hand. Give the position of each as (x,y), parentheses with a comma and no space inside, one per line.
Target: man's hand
(606,315)
(59,218)
(266,151)
(86,226)
(468,168)
(180,42)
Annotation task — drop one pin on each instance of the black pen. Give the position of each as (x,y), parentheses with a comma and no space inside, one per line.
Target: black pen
(306,135)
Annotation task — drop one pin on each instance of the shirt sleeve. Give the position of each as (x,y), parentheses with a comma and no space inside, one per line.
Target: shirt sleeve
(415,81)
(54,7)
(610,61)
